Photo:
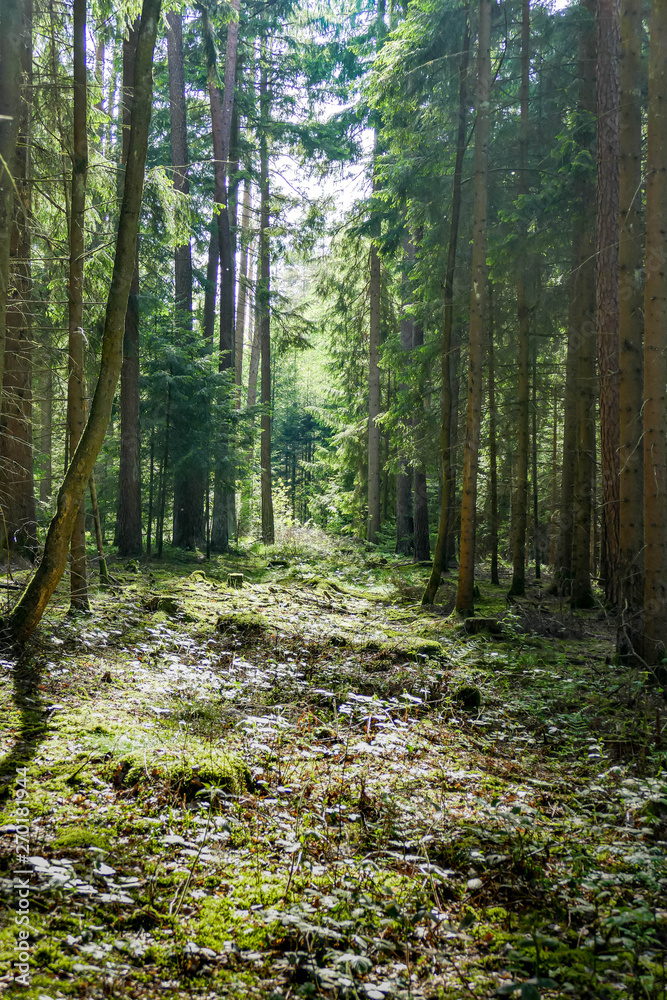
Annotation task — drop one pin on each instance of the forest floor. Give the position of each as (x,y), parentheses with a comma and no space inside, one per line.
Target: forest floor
(312,786)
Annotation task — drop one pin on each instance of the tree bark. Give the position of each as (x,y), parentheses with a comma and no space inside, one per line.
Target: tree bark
(222,107)
(26,615)
(243,296)
(449,410)
(189,455)
(46,437)
(17,488)
(631,321)
(374,333)
(374,339)
(12,29)
(520,505)
(655,346)
(582,322)
(478,300)
(404,513)
(422,541)
(76,400)
(607,285)
(493,447)
(129,531)
(99,541)
(536,515)
(264,307)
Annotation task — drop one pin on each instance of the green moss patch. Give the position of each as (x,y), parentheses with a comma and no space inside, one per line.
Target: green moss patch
(81,837)
(243,624)
(176,776)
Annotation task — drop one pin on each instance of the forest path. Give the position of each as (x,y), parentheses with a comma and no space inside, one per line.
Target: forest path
(311,786)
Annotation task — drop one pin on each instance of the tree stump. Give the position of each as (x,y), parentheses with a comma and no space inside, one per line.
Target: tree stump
(235,580)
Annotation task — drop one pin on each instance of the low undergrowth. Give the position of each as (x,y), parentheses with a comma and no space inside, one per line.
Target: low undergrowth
(312,786)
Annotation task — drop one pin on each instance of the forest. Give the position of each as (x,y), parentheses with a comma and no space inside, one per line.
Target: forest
(333,457)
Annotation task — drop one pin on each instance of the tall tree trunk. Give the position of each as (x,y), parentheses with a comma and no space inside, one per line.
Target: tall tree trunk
(128,529)
(478,300)
(655,346)
(46,437)
(631,322)
(449,411)
(607,290)
(520,505)
(582,321)
(554,479)
(264,306)
(493,447)
(17,488)
(253,364)
(222,107)
(99,541)
(151,489)
(243,296)
(26,615)
(374,333)
(404,515)
(422,543)
(536,513)
(162,477)
(189,462)
(211,285)
(12,28)
(374,339)
(76,401)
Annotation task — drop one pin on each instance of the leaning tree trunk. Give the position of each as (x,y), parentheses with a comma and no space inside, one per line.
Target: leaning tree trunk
(26,615)
(520,505)
(128,530)
(631,322)
(607,290)
(76,401)
(465,597)
(655,347)
(449,412)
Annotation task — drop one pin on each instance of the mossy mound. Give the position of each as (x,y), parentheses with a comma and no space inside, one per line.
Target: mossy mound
(81,838)
(168,605)
(176,777)
(410,648)
(245,624)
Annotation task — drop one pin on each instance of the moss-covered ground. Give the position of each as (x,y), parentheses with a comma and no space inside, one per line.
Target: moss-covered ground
(312,786)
